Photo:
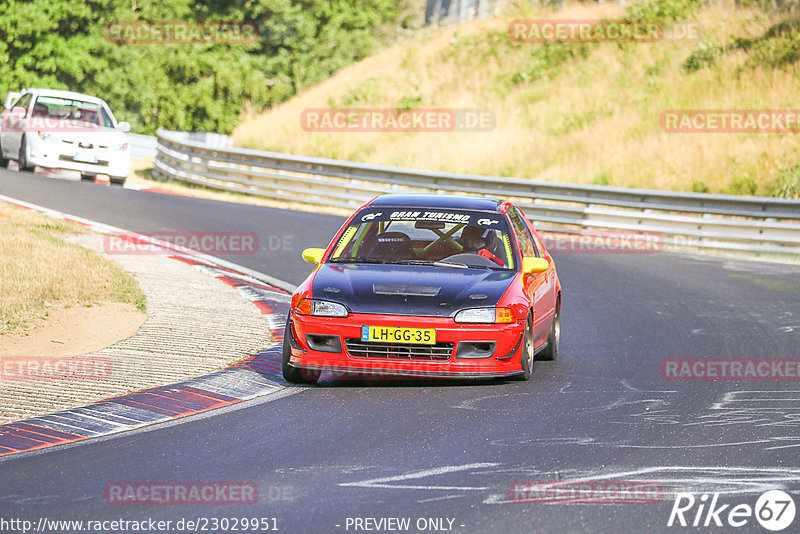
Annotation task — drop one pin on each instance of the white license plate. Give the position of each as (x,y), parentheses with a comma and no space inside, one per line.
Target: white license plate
(85,157)
(421,336)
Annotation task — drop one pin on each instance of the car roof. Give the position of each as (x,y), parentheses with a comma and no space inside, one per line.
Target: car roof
(58,93)
(437,201)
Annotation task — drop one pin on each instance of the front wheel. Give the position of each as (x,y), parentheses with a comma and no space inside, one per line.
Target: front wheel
(551,351)
(23,156)
(3,159)
(527,352)
(290,373)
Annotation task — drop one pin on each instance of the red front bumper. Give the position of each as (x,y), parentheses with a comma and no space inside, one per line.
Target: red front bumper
(504,360)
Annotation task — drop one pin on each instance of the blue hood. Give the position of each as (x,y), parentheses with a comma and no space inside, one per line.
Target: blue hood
(409,289)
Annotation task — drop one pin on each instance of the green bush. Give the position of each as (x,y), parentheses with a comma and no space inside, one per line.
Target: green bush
(602,178)
(706,55)
(546,61)
(777,52)
(776,48)
(409,102)
(362,94)
(742,185)
(60,44)
(786,183)
(664,10)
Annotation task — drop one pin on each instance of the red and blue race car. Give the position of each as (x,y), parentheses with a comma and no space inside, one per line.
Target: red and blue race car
(426,285)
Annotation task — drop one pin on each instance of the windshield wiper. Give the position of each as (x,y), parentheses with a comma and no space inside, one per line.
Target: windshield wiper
(412,262)
(445,263)
(354,259)
(440,263)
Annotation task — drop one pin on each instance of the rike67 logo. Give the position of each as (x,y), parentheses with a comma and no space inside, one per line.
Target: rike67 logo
(774,510)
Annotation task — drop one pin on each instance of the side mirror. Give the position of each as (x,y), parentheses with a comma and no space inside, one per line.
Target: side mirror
(124,126)
(313,255)
(534,265)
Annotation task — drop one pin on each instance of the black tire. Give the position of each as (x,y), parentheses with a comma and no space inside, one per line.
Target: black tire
(23,159)
(526,357)
(290,373)
(3,160)
(551,351)
(87,177)
(117,180)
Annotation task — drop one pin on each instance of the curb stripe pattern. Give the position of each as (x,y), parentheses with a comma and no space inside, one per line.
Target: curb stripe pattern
(255,376)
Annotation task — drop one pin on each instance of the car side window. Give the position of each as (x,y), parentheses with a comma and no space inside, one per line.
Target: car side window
(523,234)
(23,102)
(538,244)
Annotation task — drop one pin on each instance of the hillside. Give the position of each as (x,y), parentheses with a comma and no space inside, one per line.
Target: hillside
(578,112)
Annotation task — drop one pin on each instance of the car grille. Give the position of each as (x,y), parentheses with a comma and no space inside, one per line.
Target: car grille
(439,352)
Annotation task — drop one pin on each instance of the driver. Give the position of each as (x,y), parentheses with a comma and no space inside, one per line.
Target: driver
(478,241)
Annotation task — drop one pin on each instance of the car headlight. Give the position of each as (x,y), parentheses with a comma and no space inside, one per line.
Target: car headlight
(485,315)
(321,308)
(44,135)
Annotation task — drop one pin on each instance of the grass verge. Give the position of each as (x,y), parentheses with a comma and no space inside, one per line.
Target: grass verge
(39,271)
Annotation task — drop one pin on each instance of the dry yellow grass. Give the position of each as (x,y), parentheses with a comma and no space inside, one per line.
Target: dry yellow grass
(594,121)
(39,271)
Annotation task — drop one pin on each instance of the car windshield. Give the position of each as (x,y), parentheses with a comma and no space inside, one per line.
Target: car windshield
(439,237)
(71,110)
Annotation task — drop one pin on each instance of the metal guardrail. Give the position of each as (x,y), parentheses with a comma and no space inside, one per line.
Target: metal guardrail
(143,146)
(745,223)
(147,145)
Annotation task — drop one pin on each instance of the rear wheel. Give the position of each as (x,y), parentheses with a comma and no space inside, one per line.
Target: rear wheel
(527,352)
(551,351)
(290,373)
(117,180)
(87,177)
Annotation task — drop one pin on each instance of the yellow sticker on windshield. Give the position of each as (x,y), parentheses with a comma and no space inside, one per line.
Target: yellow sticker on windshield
(507,245)
(346,237)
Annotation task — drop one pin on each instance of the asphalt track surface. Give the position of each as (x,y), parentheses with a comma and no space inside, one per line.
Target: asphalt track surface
(434,449)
